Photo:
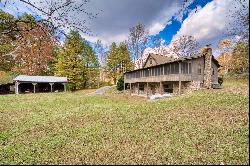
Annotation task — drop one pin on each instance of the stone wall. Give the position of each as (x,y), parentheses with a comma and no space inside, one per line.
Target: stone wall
(186,87)
(192,86)
(208,68)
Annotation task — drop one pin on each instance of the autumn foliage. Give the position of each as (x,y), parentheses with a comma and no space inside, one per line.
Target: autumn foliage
(34,51)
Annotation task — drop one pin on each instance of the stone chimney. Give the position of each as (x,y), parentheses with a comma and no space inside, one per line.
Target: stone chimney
(208,67)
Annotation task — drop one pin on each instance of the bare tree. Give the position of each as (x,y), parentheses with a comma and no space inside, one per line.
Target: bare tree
(240,24)
(59,15)
(137,40)
(156,41)
(100,49)
(184,46)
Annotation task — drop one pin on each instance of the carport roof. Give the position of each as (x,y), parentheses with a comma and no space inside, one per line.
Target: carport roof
(42,79)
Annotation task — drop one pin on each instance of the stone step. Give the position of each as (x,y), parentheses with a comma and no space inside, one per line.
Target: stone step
(216,86)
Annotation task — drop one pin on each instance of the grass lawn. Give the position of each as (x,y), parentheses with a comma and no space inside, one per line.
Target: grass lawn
(205,127)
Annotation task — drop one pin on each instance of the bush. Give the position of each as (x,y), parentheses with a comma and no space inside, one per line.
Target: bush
(120,84)
(220,80)
(103,83)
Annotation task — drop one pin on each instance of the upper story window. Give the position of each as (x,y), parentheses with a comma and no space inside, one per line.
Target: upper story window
(189,68)
(212,71)
(186,68)
(199,69)
(150,62)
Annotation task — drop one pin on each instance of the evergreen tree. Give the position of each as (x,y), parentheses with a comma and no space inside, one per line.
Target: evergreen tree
(112,62)
(91,65)
(69,62)
(118,61)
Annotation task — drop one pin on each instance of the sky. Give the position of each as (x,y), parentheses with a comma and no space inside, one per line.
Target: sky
(206,20)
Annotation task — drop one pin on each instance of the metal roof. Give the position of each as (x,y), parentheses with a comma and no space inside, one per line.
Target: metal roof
(44,79)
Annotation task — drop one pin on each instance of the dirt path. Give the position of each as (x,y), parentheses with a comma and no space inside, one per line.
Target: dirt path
(101,90)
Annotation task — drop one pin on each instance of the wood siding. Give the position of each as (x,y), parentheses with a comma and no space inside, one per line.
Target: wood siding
(150,62)
(168,72)
(215,74)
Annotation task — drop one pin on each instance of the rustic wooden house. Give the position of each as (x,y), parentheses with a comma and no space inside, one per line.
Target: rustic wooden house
(161,74)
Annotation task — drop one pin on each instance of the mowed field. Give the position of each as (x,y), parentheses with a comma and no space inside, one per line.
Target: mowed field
(205,127)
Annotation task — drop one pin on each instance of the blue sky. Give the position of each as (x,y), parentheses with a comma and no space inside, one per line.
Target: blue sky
(171,29)
(161,17)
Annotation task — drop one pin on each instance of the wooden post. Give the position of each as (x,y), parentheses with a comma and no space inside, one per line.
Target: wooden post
(51,87)
(147,90)
(130,88)
(161,91)
(64,84)
(179,78)
(34,84)
(138,92)
(17,87)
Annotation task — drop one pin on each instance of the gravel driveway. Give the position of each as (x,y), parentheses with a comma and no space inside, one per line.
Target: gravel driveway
(101,90)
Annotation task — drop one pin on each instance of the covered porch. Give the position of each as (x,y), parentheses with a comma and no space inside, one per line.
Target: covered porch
(148,89)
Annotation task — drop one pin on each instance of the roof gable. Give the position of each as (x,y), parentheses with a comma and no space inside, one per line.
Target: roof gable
(158,59)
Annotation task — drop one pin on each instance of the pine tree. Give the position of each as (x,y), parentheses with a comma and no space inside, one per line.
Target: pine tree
(118,61)
(91,66)
(69,62)
(112,62)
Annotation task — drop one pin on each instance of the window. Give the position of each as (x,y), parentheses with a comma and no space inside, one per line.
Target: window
(168,88)
(189,68)
(186,68)
(199,69)
(212,71)
(147,72)
(174,68)
(150,62)
(167,69)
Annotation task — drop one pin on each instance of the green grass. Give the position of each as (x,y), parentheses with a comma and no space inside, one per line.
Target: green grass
(205,127)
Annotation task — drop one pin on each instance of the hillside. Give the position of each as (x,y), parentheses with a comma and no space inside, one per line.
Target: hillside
(205,127)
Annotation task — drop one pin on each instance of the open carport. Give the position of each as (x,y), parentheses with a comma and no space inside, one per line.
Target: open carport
(35,84)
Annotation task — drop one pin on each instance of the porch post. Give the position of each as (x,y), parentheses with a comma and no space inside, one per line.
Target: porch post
(34,84)
(161,91)
(179,78)
(64,84)
(138,88)
(17,87)
(51,87)
(147,90)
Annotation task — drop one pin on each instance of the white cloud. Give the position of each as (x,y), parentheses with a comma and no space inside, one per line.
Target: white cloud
(208,24)
(112,25)
(156,28)
(163,19)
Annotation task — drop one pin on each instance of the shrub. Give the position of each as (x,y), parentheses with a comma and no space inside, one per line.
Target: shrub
(220,80)
(120,84)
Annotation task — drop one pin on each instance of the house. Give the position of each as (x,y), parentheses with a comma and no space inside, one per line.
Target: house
(26,84)
(161,74)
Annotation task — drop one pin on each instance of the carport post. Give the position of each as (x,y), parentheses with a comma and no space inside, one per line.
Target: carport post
(130,90)
(64,84)
(51,86)
(17,87)
(34,84)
